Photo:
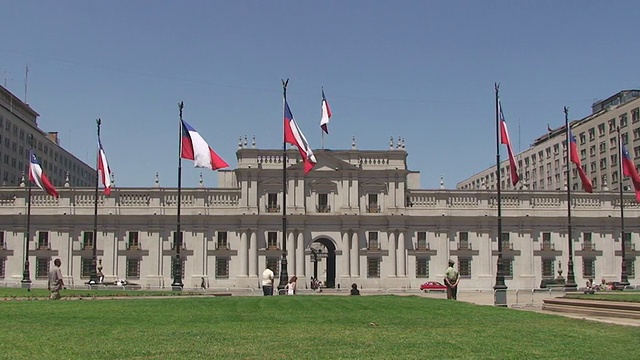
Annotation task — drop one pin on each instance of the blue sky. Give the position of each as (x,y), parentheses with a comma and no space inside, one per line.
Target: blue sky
(422,70)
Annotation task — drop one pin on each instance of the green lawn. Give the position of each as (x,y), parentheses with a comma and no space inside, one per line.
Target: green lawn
(293,327)
(69,293)
(626,296)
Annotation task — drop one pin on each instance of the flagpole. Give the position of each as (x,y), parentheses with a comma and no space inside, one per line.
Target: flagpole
(26,276)
(321,113)
(570,285)
(500,288)
(177,266)
(623,275)
(283,262)
(93,277)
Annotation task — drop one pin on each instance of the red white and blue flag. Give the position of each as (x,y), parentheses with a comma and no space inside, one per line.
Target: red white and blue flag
(194,147)
(326,114)
(37,176)
(504,139)
(103,168)
(293,135)
(629,170)
(575,158)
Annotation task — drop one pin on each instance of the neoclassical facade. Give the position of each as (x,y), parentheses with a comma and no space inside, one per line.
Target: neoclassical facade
(358,217)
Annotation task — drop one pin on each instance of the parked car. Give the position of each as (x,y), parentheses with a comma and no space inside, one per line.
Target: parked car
(432,286)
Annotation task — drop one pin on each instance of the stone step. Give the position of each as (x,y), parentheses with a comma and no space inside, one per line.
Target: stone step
(593,307)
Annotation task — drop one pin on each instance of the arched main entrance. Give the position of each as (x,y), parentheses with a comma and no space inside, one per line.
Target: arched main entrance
(323,250)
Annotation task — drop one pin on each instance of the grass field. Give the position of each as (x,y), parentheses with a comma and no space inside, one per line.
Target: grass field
(626,296)
(299,327)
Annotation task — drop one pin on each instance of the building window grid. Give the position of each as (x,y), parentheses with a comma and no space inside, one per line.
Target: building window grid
(422,268)
(86,265)
(222,267)
(133,268)
(547,268)
(42,267)
(464,267)
(373,267)
(588,268)
(134,241)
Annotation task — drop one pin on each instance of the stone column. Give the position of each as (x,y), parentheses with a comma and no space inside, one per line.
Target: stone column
(392,253)
(402,256)
(253,254)
(300,255)
(242,254)
(346,254)
(355,257)
(291,253)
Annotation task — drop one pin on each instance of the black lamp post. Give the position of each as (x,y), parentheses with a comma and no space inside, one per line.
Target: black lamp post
(26,276)
(570,285)
(93,276)
(624,281)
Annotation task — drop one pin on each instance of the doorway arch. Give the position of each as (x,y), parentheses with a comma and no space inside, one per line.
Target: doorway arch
(323,248)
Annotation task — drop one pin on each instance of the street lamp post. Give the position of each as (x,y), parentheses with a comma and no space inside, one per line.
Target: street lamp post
(26,276)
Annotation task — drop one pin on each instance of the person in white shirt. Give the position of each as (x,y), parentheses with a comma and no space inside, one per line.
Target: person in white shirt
(291,285)
(267,282)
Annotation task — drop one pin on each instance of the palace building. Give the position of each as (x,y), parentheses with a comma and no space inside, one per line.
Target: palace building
(359,216)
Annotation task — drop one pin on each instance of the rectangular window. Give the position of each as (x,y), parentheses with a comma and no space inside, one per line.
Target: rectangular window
(507,267)
(592,134)
(222,267)
(547,268)
(42,268)
(586,241)
(373,241)
(546,241)
(614,159)
(373,267)
(43,240)
(373,207)
(464,240)
(601,130)
(583,138)
(173,266)
(635,115)
(134,242)
(631,268)
(2,242)
(323,203)
(87,240)
(422,240)
(222,240)
(464,267)
(272,202)
(623,120)
(86,265)
(274,264)
(612,125)
(624,138)
(505,240)
(2,267)
(272,240)
(133,268)
(588,268)
(422,267)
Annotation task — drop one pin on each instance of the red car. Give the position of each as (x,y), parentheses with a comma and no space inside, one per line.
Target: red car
(432,286)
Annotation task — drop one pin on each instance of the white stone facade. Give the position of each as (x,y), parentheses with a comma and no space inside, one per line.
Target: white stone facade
(363,209)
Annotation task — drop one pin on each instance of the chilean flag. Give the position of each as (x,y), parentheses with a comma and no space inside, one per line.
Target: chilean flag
(504,139)
(629,170)
(575,158)
(193,147)
(103,168)
(293,135)
(326,114)
(38,176)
